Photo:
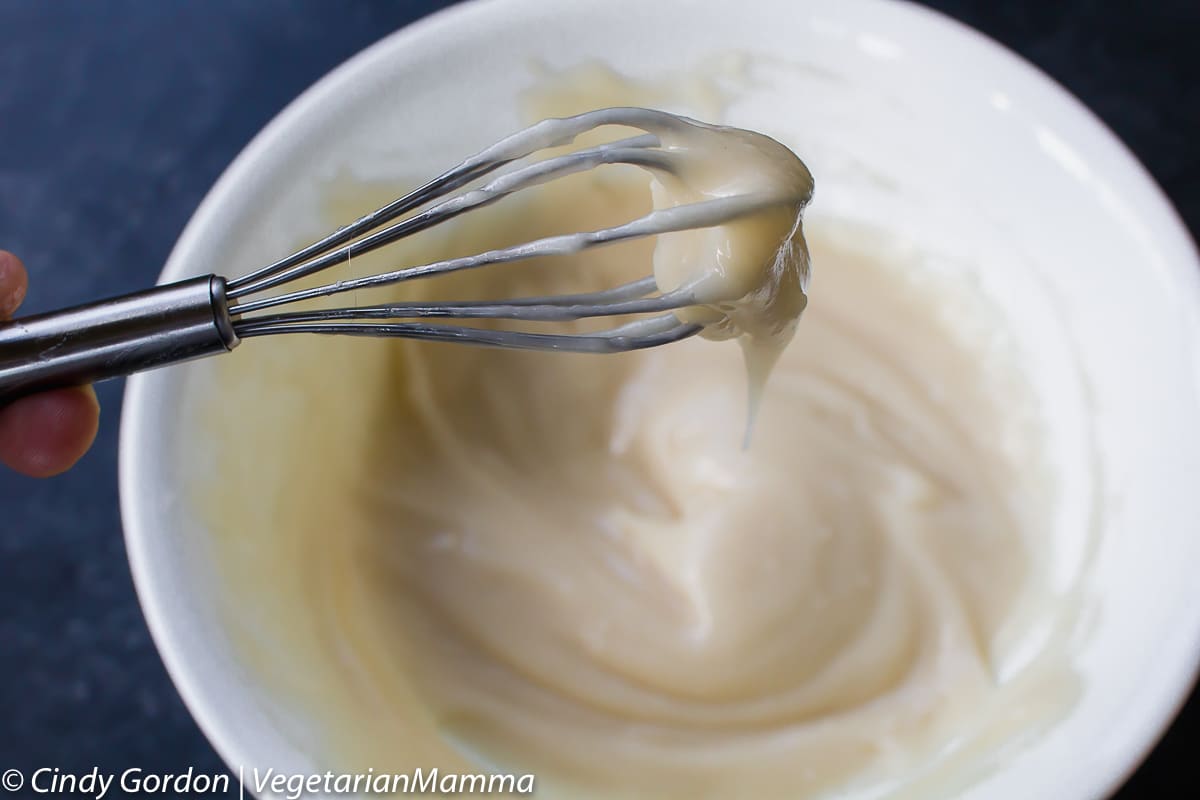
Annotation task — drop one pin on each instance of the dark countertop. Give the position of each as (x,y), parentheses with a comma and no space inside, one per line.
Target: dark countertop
(115,119)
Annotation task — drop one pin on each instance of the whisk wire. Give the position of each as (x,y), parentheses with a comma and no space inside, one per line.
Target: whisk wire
(638,335)
(450,195)
(631,151)
(543,309)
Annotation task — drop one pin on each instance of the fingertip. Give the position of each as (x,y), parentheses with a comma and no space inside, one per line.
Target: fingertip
(13,283)
(46,434)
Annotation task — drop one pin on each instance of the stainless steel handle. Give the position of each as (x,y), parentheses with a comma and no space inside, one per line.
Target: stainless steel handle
(120,336)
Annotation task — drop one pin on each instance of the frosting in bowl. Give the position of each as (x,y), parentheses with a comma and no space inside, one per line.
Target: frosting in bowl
(571,565)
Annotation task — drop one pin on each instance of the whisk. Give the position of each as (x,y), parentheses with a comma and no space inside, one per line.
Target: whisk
(210,315)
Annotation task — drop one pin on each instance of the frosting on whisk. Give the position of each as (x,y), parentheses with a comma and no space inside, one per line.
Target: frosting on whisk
(749,274)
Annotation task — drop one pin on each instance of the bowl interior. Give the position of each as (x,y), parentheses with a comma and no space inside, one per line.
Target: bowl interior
(909,121)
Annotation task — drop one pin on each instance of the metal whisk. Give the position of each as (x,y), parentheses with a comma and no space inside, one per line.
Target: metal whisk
(209,315)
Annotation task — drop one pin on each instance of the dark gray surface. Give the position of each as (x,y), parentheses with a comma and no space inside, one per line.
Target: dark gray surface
(116,117)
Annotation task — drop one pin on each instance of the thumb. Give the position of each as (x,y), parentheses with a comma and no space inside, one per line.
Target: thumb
(13,282)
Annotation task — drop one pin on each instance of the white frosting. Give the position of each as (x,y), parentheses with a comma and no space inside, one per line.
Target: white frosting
(570,565)
(750,273)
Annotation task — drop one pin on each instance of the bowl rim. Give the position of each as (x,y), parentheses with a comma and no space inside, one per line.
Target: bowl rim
(136,440)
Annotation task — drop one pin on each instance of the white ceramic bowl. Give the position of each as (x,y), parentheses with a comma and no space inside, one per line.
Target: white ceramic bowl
(905,117)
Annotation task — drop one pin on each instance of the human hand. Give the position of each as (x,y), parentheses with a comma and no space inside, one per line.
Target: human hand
(43,434)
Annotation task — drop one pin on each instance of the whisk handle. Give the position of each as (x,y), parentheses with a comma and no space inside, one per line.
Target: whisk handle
(119,336)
